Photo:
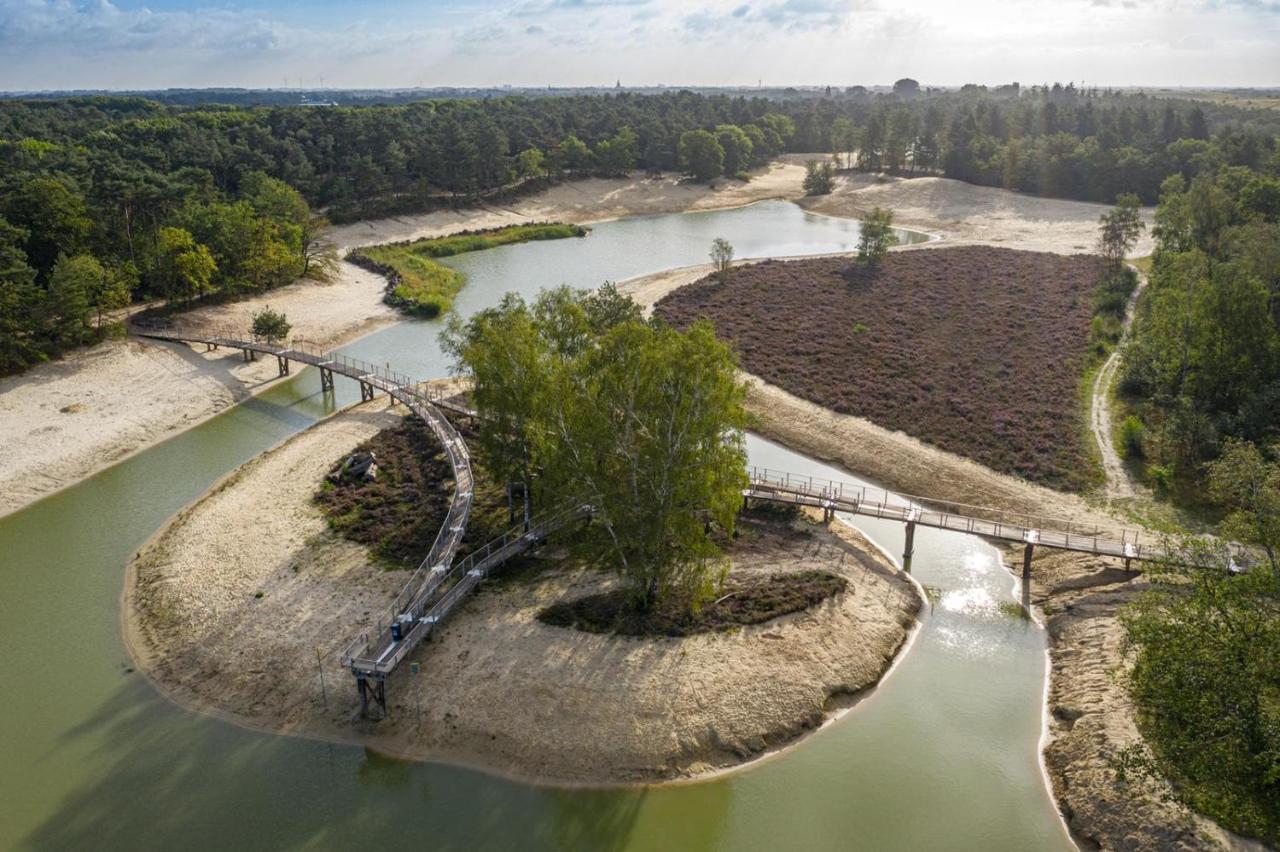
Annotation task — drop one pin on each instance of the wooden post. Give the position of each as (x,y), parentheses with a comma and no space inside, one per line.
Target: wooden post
(910,547)
(1026,562)
(324,693)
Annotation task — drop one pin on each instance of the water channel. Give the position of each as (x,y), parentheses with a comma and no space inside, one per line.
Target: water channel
(943,755)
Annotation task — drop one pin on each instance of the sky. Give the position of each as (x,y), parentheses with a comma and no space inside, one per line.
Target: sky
(153,44)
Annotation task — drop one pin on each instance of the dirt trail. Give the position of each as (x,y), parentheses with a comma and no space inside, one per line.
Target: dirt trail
(1119,485)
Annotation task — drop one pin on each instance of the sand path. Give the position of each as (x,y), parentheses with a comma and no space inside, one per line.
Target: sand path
(1119,485)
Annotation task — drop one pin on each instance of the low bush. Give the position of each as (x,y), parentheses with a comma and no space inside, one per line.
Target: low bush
(742,603)
(1131,437)
(422,287)
(1160,477)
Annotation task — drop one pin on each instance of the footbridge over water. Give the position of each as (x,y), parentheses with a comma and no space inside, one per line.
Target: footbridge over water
(832,496)
(442,581)
(434,589)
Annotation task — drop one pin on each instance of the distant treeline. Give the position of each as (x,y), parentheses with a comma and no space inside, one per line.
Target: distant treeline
(141,199)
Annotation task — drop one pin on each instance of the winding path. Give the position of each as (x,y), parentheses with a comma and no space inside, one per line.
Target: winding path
(1119,484)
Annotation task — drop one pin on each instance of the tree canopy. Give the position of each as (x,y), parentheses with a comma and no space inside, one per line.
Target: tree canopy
(586,402)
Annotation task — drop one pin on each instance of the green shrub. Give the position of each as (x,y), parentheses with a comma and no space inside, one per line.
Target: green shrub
(1161,478)
(425,288)
(1132,433)
(270,325)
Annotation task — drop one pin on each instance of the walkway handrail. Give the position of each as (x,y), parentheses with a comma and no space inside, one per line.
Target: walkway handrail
(832,495)
(1027,520)
(380,654)
(403,389)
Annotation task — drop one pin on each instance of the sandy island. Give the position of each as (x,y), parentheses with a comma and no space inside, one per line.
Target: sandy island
(227,606)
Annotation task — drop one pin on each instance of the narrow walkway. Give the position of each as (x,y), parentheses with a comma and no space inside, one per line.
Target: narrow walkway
(1119,484)
(1013,527)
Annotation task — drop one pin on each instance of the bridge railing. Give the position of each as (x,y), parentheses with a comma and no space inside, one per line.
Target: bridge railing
(370,653)
(892,503)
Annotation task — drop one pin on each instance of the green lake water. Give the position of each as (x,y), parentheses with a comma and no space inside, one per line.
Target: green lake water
(944,755)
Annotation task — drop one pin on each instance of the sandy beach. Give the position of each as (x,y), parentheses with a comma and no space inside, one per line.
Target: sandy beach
(226,608)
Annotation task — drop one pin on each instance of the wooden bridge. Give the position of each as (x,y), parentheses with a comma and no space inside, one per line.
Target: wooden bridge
(440,583)
(996,524)
(433,589)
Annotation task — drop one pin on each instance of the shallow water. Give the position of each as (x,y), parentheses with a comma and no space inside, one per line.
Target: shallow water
(944,755)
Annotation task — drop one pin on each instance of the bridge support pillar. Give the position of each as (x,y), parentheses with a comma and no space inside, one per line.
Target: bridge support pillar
(366,391)
(828,515)
(250,355)
(326,380)
(1026,562)
(377,691)
(282,363)
(910,547)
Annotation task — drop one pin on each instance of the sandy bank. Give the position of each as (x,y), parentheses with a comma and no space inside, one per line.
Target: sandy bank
(965,213)
(226,608)
(585,201)
(63,421)
(1091,718)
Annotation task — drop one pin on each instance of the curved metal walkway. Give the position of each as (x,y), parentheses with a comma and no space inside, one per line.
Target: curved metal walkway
(431,590)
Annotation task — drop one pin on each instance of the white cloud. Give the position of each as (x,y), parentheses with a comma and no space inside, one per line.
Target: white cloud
(64,43)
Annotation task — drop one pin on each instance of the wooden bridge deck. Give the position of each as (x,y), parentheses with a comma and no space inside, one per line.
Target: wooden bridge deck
(833,496)
(434,589)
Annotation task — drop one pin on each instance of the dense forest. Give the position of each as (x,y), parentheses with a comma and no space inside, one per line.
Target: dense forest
(107,200)
(1204,364)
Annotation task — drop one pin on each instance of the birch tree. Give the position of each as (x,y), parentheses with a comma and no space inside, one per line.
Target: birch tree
(586,402)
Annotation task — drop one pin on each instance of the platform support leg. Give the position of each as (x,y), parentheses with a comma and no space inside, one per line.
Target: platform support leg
(282,363)
(362,686)
(326,380)
(366,392)
(1026,562)
(1128,563)
(910,546)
